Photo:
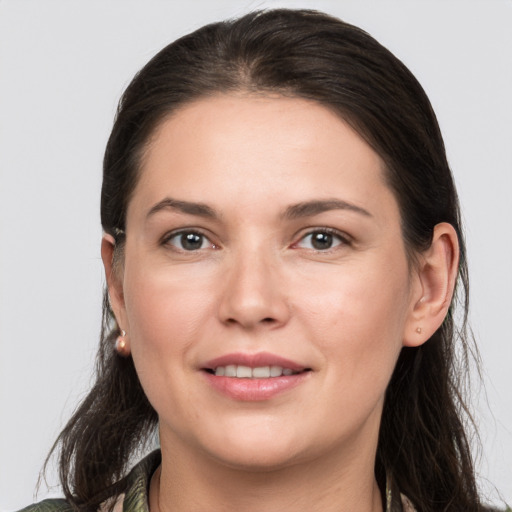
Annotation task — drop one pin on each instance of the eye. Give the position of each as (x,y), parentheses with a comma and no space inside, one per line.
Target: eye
(188,241)
(321,240)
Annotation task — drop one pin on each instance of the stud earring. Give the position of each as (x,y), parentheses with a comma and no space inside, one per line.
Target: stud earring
(418,330)
(122,347)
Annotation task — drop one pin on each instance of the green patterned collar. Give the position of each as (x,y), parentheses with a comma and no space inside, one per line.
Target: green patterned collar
(136,497)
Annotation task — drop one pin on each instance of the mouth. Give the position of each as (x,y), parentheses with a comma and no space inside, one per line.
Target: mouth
(254,377)
(262,365)
(259,372)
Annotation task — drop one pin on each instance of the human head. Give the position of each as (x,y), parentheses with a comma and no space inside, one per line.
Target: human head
(313,56)
(293,53)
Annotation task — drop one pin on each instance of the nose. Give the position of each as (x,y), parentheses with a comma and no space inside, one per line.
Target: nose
(254,293)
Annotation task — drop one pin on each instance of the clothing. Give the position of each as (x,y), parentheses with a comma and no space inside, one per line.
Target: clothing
(134,500)
(136,497)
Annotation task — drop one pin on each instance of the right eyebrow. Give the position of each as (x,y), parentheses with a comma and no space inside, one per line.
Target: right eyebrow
(315,207)
(188,207)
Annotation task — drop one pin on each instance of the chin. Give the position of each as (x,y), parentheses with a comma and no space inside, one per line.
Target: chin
(258,460)
(256,450)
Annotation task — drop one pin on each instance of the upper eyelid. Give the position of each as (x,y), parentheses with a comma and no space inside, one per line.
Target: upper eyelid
(179,231)
(186,229)
(297,237)
(322,229)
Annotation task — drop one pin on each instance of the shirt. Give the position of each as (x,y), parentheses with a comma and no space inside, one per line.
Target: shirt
(135,499)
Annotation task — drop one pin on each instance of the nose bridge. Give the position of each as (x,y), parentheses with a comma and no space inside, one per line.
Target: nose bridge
(253,289)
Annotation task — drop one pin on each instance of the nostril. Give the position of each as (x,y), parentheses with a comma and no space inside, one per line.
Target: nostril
(268,320)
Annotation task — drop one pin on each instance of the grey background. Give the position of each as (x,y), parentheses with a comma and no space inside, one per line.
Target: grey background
(63,65)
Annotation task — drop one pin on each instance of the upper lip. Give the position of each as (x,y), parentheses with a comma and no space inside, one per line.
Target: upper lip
(254,361)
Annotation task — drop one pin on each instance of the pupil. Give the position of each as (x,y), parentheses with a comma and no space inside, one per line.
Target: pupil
(322,241)
(191,241)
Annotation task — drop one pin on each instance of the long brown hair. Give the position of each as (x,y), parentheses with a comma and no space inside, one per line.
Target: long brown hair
(423,441)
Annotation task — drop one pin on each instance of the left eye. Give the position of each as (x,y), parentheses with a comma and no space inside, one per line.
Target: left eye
(189,241)
(320,241)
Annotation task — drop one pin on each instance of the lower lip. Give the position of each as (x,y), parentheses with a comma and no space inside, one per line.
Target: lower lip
(254,390)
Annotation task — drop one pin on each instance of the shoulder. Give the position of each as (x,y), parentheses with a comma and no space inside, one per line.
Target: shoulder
(50,505)
(133,499)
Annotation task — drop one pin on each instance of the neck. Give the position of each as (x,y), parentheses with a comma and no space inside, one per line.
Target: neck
(189,483)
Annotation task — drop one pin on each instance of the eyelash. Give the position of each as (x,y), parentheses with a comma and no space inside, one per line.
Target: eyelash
(166,240)
(342,238)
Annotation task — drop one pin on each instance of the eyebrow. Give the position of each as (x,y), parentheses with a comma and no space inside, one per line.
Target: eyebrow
(315,207)
(295,211)
(199,209)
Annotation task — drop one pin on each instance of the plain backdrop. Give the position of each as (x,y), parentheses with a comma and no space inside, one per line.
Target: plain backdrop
(63,66)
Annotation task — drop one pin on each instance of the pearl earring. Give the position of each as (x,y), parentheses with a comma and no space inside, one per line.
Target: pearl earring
(122,347)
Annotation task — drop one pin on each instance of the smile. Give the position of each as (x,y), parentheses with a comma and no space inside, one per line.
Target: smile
(254,377)
(246,372)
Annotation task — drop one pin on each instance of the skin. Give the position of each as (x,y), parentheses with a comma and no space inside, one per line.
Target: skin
(258,284)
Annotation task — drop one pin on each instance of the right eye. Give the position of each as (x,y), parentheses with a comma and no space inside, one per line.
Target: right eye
(188,241)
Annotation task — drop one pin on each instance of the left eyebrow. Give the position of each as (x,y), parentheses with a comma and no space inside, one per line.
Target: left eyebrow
(188,207)
(315,207)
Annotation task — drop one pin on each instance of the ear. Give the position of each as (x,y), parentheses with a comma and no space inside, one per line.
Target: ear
(434,282)
(114,281)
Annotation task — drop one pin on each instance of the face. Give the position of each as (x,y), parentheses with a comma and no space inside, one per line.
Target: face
(265,288)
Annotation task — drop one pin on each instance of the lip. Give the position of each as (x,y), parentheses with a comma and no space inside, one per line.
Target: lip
(254,361)
(254,390)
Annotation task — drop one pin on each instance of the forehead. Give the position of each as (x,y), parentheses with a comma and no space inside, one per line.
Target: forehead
(253,149)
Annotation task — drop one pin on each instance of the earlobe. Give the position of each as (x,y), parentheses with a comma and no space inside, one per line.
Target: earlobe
(436,275)
(114,281)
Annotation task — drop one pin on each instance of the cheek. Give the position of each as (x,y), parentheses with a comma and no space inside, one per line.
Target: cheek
(356,318)
(166,312)
(163,301)
(357,296)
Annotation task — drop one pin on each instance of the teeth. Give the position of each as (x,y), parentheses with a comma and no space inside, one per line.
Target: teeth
(246,372)
(261,373)
(243,372)
(230,370)
(276,371)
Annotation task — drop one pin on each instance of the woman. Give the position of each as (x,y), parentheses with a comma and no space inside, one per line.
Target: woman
(282,247)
